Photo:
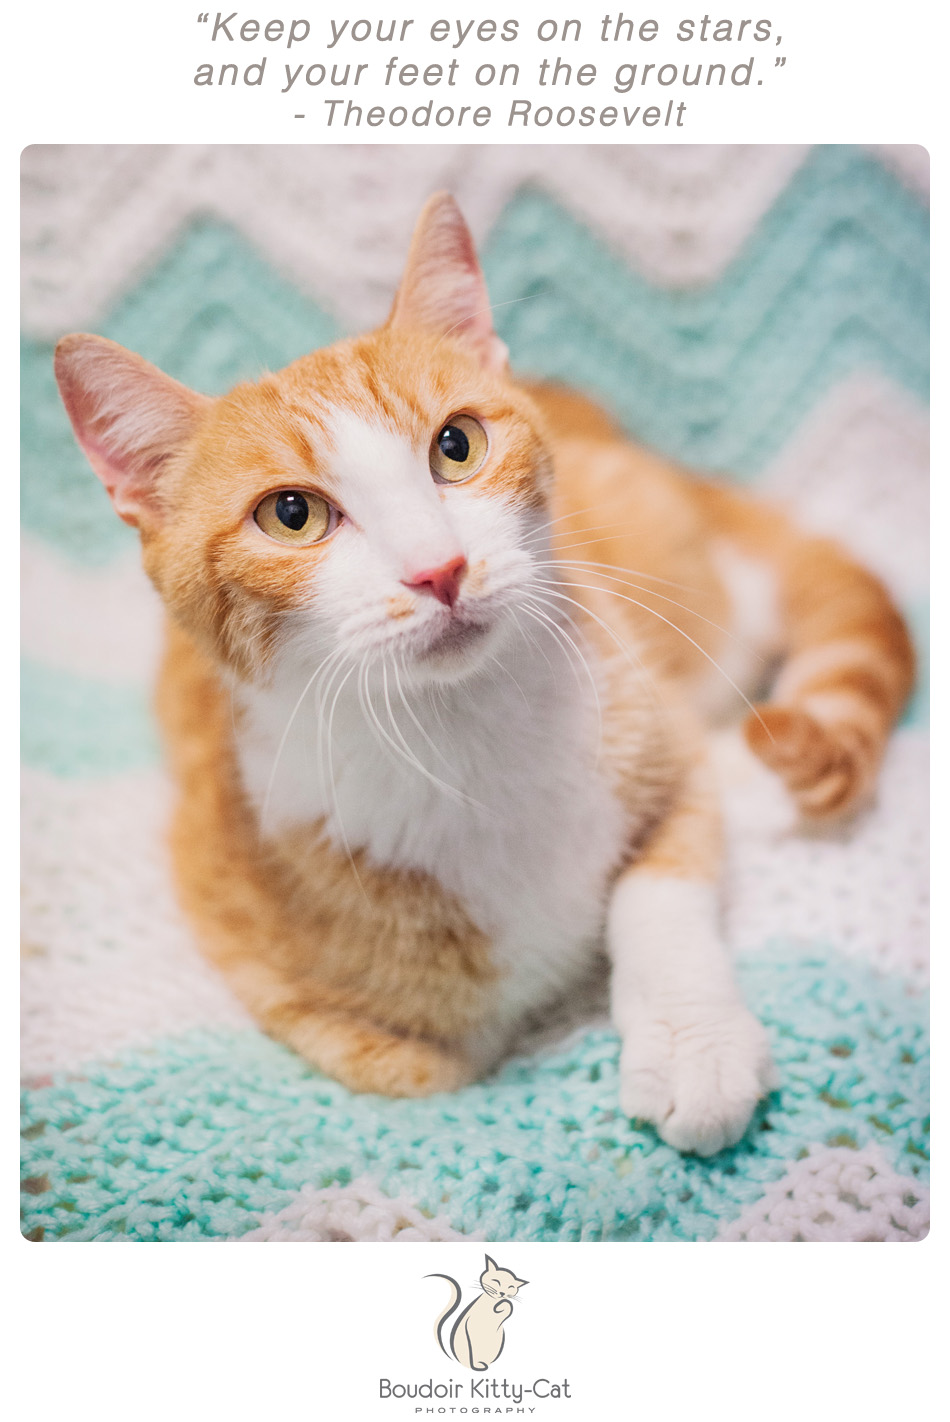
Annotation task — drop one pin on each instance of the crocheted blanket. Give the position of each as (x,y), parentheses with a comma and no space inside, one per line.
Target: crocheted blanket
(759,311)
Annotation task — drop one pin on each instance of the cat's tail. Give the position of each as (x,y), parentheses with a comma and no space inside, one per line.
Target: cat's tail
(848,659)
(448,1311)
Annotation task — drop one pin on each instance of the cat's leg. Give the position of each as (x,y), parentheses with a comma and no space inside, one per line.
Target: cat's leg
(355,1036)
(473,1353)
(849,658)
(349,1047)
(694,1061)
(268,958)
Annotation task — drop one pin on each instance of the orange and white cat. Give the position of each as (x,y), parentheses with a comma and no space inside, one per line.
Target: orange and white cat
(439,653)
(478,1333)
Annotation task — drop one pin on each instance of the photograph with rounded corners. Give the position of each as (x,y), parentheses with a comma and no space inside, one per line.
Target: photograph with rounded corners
(474,695)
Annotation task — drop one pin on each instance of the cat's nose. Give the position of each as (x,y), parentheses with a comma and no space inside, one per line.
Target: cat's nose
(442,583)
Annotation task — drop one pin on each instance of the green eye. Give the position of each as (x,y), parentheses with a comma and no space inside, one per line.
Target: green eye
(292,516)
(458,450)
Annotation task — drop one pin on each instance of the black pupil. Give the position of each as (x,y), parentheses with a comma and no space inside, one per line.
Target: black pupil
(453,443)
(292,510)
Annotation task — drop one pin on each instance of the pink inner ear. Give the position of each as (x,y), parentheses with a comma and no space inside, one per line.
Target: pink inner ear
(128,494)
(128,418)
(443,288)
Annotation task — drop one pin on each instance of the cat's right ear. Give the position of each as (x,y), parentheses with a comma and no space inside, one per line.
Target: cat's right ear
(128,417)
(443,288)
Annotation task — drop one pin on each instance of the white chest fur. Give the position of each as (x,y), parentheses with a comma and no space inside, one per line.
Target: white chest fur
(491,786)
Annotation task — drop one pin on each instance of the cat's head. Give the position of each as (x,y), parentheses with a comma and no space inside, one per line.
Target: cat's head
(499,1283)
(377,498)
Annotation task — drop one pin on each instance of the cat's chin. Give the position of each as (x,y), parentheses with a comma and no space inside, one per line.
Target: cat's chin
(456,652)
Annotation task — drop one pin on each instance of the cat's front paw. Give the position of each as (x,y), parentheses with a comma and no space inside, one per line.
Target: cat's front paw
(695,1073)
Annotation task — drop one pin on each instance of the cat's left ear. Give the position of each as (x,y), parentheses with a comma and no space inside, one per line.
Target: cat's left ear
(129,418)
(521,1282)
(443,288)
(490,1263)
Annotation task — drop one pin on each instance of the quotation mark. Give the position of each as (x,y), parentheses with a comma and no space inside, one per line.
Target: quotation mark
(779,61)
(202,19)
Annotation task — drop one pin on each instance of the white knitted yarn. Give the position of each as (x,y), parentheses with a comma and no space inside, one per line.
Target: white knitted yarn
(837,1194)
(107,960)
(101,623)
(858,470)
(861,888)
(339,225)
(909,161)
(834,1194)
(359,1210)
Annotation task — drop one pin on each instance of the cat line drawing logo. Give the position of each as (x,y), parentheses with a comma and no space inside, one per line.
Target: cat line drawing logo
(477,1335)
(473,1334)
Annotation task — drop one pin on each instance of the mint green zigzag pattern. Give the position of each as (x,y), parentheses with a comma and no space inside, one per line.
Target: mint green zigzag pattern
(198,1137)
(833,279)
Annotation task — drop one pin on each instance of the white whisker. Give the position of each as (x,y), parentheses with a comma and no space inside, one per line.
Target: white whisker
(556,628)
(512,678)
(574,513)
(627,651)
(482,311)
(611,592)
(283,740)
(405,752)
(532,641)
(589,569)
(336,803)
(558,548)
(415,720)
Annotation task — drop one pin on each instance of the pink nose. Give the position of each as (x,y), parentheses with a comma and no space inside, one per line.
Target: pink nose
(443,583)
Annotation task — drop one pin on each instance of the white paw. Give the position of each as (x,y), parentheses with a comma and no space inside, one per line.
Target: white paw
(695,1072)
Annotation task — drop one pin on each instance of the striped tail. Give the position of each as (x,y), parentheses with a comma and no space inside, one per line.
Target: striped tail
(848,668)
(450,1309)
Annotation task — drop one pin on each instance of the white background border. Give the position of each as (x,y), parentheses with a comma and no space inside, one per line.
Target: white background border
(194,1331)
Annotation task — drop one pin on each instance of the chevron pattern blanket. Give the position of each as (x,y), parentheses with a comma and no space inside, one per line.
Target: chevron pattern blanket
(757,311)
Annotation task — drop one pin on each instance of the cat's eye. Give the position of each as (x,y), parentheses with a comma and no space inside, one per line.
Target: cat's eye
(292,516)
(458,450)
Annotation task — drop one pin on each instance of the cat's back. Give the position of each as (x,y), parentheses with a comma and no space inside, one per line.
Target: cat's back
(609,484)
